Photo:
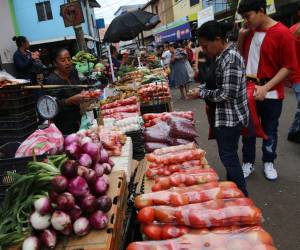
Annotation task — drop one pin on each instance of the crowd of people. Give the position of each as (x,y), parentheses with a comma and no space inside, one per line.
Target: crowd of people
(257,66)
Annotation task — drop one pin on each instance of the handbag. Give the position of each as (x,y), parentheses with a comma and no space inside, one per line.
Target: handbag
(189,69)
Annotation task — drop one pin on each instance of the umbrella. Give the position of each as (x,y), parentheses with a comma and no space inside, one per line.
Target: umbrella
(128,25)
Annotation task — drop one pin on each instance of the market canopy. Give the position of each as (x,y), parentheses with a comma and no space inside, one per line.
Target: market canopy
(129,25)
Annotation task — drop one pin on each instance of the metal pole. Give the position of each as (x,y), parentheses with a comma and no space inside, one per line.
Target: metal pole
(111,64)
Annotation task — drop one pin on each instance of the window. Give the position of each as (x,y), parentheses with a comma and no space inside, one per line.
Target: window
(194,2)
(44,11)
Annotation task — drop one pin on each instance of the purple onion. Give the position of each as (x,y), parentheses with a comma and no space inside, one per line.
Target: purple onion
(48,238)
(69,169)
(81,226)
(103,156)
(100,186)
(85,160)
(89,204)
(70,139)
(81,171)
(73,150)
(93,150)
(107,168)
(90,176)
(78,187)
(60,220)
(65,201)
(104,203)
(59,184)
(31,243)
(98,220)
(75,213)
(40,222)
(99,169)
(43,205)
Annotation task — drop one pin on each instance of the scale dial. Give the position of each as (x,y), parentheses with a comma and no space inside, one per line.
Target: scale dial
(47,107)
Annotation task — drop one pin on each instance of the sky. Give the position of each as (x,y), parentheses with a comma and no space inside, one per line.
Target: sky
(109,7)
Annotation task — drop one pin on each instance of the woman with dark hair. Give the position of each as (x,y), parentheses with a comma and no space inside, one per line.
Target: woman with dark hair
(179,74)
(69,117)
(24,59)
(230,96)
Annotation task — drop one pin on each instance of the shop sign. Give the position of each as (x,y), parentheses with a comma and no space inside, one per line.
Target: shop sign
(182,32)
(205,15)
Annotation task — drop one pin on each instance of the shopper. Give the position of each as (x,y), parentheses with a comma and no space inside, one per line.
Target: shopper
(114,57)
(270,55)
(166,56)
(69,117)
(294,131)
(230,97)
(179,73)
(24,60)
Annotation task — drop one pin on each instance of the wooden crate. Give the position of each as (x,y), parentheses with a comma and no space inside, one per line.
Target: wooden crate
(108,239)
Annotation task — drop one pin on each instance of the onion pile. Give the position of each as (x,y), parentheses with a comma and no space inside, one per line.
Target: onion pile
(77,201)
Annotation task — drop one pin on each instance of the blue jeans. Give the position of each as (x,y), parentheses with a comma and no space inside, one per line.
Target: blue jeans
(269,110)
(228,141)
(296,123)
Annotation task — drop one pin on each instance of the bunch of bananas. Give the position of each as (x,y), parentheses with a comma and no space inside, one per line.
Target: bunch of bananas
(83,56)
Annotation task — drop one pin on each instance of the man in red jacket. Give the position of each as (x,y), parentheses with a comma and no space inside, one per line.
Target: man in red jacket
(269,51)
(294,131)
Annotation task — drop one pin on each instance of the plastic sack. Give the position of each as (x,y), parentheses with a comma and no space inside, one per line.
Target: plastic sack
(177,157)
(214,213)
(157,133)
(151,146)
(254,127)
(248,238)
(200,176)
(174,149)
(124,102)
(179,141)
(182,128)
(133,108)
(180,196)
(184,114)
(46,141)
(167,170)
(182,165)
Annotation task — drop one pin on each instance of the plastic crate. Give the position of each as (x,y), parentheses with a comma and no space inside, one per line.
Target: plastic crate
(17,123)
(13,92)
(14,112)
(15,103)
(9,149)
(20,138)
(18,132)
(17,165)
(156,108)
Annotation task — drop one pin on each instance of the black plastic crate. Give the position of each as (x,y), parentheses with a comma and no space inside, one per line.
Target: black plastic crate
(17,123)
(17,165)
(13,92)
(16,103)
(18,132)
(21,138)
(18,116)
(16,111)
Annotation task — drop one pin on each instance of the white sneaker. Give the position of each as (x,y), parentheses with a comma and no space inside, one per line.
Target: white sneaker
(270,171)
(248,169)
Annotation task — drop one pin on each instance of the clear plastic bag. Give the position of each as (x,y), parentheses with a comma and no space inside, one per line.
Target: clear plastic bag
(248,238)
(200,176)
(182,128)
(180,196)
(214,213)
(157,133)
(151,146)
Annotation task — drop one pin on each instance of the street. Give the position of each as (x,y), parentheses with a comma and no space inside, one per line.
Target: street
(278,200)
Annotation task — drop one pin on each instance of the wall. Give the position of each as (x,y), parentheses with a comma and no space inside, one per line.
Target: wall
(218,5)
(182,8)
(7,46)
(36,31)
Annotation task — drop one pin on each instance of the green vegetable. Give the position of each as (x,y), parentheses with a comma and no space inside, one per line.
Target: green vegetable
(17,205)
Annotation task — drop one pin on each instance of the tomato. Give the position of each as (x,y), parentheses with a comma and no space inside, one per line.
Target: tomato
(142,201)
(244,202)
(173,168)
(183,230)
(152,231)
(170,232)
(228,184)
(160,171)
(175,180)
(179,199)
(156,187)
(151,157)
(165,214)
(138,246)
(150,173)
(190,180)
(165,183)
(214,204)
(196,219)
(161,198)
(146,215)
(166,172)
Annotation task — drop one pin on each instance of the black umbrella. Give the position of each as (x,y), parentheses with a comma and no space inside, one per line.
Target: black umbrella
(128,25)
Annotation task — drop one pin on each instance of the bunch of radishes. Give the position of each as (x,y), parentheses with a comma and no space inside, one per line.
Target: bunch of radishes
(77,202)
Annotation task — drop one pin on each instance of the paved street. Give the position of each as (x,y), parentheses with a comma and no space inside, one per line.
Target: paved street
(278,200)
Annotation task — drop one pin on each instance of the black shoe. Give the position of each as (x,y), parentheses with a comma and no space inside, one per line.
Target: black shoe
(294,137)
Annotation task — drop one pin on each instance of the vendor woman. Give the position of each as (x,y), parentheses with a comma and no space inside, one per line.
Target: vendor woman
(69,117)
